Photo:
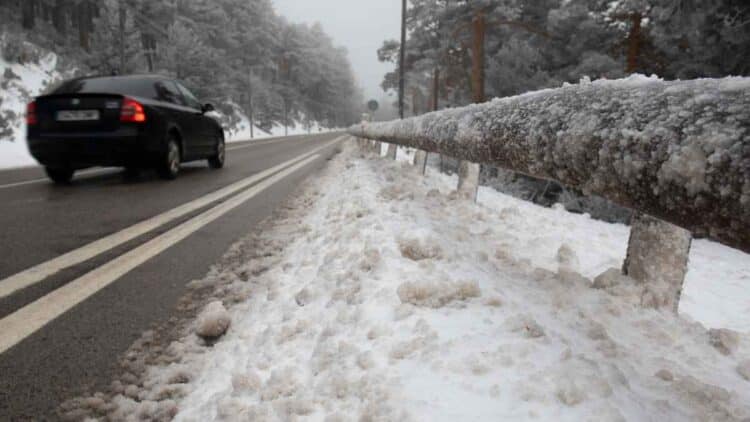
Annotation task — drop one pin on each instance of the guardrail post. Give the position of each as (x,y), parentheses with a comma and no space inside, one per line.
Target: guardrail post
(468,180)
(366,145)
(658,257)
(392,150)
(420,161)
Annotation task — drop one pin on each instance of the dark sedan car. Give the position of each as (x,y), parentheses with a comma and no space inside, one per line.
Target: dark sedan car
(127,121)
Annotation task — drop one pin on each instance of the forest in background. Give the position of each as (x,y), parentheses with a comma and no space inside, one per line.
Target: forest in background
(531,45)
(237,54)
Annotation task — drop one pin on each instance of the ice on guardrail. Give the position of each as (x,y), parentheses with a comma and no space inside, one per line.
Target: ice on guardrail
(677,150)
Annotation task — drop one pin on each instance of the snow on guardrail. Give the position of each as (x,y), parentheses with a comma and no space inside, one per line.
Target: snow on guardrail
(679,151)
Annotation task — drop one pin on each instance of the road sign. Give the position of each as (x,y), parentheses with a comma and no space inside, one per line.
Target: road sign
(373,105)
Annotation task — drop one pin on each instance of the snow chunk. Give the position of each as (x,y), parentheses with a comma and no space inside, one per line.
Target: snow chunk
(664,375)
(213,321)
(616,283)
(437,294)
(724,340)
(419,249)
(525,324)
(282,383)
(567,258)
(744,369)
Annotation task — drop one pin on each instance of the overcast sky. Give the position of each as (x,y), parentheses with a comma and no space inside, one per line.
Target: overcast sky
(359,25)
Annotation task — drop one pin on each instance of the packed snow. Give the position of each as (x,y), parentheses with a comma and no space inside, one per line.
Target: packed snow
(678,150)
(379,294)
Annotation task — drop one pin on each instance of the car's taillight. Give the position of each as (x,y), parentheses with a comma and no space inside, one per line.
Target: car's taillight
(132,111)
(31,114)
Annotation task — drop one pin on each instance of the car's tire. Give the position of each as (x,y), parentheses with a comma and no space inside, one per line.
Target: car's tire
(217,160)
(169,164)
(60,175)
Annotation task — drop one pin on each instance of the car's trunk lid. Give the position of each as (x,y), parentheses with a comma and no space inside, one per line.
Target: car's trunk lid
(69,113)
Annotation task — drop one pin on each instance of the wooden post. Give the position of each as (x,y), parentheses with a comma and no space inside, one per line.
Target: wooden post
(657,257)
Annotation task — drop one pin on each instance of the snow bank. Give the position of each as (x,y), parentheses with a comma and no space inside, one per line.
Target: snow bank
(242,131)
(677,150)
(18,85)
(415,305)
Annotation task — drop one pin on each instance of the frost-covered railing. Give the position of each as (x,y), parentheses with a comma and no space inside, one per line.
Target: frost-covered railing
(679,151)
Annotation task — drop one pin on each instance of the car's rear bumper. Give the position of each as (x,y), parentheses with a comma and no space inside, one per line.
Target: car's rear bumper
(86,150)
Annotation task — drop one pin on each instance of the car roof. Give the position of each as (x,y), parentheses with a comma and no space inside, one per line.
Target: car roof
(144,76)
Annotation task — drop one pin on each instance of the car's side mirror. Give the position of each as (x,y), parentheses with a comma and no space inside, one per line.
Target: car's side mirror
(208,107)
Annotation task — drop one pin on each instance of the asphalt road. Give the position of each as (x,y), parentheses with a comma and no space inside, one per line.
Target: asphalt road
(55,345)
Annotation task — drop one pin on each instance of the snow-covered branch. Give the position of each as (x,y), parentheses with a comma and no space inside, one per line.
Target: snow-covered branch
(679,151)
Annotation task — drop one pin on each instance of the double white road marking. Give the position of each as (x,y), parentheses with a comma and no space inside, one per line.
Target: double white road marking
(27,320)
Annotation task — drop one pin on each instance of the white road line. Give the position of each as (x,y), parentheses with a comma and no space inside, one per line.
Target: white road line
(247,144)
(81,173)
(27,320)
(41,271)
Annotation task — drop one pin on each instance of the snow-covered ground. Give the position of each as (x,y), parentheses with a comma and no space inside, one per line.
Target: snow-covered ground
(378,295)
(242,132)
(28,81)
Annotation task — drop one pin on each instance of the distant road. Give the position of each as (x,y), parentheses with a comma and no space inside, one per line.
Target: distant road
(86,268)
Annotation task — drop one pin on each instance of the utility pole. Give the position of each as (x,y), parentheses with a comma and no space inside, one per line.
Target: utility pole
(122,36)
(402,57)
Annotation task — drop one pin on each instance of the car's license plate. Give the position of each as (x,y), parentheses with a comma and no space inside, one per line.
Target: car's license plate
(77,115)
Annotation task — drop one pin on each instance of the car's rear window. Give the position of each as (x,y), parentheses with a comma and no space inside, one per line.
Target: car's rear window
(123,86)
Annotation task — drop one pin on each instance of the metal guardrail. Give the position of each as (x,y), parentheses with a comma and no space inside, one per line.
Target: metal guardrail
(679,151)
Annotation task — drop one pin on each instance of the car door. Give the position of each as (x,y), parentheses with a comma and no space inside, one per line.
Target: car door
(174,105)
(207,126)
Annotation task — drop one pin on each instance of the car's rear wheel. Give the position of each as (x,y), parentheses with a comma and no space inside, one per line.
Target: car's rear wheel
(217,161)
(169,167)
(60,175)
